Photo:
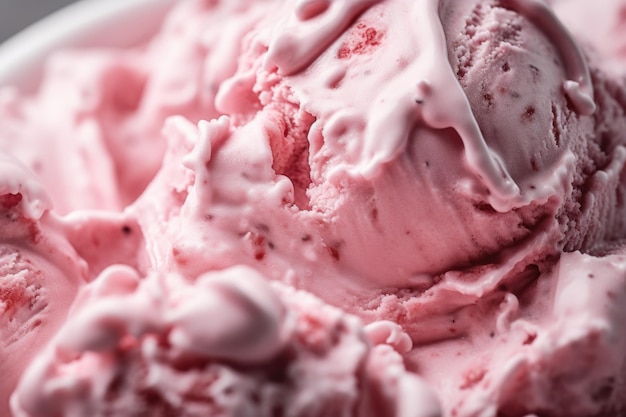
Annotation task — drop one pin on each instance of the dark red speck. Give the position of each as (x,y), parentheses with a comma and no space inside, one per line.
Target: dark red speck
(344,52)
(529,114)
(530,339)
(179,257)
(8,201)
(258,243)
(334,252)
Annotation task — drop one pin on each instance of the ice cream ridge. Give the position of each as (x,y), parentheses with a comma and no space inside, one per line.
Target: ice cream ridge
(338,208)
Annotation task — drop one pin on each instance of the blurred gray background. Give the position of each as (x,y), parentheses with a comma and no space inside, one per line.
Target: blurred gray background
(17,14)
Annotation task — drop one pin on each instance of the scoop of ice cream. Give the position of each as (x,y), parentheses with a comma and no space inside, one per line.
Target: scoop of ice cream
(412,161)
(39,272)
(527,115)
(230,344)
(513,74)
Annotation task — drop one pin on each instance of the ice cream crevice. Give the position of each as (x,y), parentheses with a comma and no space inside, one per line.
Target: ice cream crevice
(288,128)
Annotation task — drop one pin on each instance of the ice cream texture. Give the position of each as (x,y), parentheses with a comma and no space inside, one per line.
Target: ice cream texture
(387,208)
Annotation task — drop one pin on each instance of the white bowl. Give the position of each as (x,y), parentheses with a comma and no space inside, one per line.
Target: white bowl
(111,23)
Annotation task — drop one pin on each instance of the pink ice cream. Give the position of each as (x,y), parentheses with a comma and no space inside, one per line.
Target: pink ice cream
(329,207)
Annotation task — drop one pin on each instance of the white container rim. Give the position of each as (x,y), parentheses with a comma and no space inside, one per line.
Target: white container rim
(86,23)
